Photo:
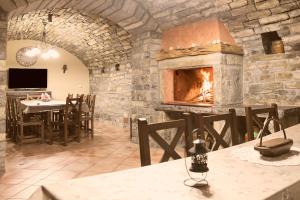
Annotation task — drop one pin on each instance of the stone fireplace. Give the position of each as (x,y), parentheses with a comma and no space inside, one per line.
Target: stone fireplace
(200,65)
(189,86)
(211,80)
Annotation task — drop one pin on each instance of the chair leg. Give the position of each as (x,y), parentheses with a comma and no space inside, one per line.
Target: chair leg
(92,127)
(65,134)
(86,126)
(42,133)
(21,134)
(14,132)
(78,131)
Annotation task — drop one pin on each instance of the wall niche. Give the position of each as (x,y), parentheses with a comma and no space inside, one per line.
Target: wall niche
(272,43)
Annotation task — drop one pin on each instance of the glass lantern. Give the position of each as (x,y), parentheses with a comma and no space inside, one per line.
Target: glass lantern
(198,157)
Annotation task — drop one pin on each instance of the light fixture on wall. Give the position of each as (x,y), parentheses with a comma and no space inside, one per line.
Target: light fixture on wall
(64,68)
(44,50)
(117,67)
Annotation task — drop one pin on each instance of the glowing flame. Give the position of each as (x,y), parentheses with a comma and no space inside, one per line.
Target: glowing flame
(205,90)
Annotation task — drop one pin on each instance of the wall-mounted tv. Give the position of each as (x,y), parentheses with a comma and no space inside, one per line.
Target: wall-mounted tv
(20,78)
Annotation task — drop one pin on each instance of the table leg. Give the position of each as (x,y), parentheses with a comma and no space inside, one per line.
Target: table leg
(49,127)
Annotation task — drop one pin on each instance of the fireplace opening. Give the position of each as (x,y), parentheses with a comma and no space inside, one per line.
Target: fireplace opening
(194,86)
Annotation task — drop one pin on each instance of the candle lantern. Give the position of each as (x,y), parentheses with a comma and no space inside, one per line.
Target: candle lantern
(198,157)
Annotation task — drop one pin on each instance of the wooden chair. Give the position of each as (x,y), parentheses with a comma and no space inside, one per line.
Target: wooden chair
(88,115)
(145,130)
(252,119)
(205,124)
(11,125)
(22,120)
(67,122)
(72,118)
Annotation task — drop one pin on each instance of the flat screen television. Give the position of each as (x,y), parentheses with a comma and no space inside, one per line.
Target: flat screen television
(20,78)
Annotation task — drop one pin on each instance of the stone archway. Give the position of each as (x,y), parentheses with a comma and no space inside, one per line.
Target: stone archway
(95,41)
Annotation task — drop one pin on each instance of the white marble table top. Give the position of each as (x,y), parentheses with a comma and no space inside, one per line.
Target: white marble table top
(228,178)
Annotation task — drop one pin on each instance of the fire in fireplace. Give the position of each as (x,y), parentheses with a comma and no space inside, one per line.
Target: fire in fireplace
(194,85)
(189,86)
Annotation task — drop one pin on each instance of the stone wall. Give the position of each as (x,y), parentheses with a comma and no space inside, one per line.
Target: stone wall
(267,78)
(272,78)
(3,72)
(145,79)
(113,90)
(2,153)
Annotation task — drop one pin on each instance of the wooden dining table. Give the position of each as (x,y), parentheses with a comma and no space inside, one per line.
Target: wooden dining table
(35,106)
(39,106)
(228,178)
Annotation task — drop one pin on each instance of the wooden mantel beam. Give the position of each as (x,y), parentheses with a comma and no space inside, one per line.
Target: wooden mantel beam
(200,50)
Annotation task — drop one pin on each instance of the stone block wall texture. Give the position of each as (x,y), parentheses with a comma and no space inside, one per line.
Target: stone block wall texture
(267,78)
(246,20)
(3,71)
(2,153)
(145,79)
(113,90)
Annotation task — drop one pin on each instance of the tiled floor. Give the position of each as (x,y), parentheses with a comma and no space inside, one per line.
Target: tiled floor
(35,164)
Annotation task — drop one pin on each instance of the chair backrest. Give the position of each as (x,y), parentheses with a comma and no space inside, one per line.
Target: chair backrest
(206,124)
(17,109)
(145,130)
(73,108)
(91,103)
(252,119)
(9,111)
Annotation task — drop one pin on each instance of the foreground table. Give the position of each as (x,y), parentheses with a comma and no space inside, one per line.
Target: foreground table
(229,178)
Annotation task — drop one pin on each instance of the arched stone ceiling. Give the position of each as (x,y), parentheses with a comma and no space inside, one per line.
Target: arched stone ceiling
(169,13)
(96,41)
(144,15)
(128,14)
(133,15)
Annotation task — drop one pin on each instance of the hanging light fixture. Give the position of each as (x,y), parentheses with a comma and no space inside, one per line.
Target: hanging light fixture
(48,51)
(44,50)
(33,52)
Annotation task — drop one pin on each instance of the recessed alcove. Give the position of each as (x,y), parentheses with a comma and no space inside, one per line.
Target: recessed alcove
(272,43)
